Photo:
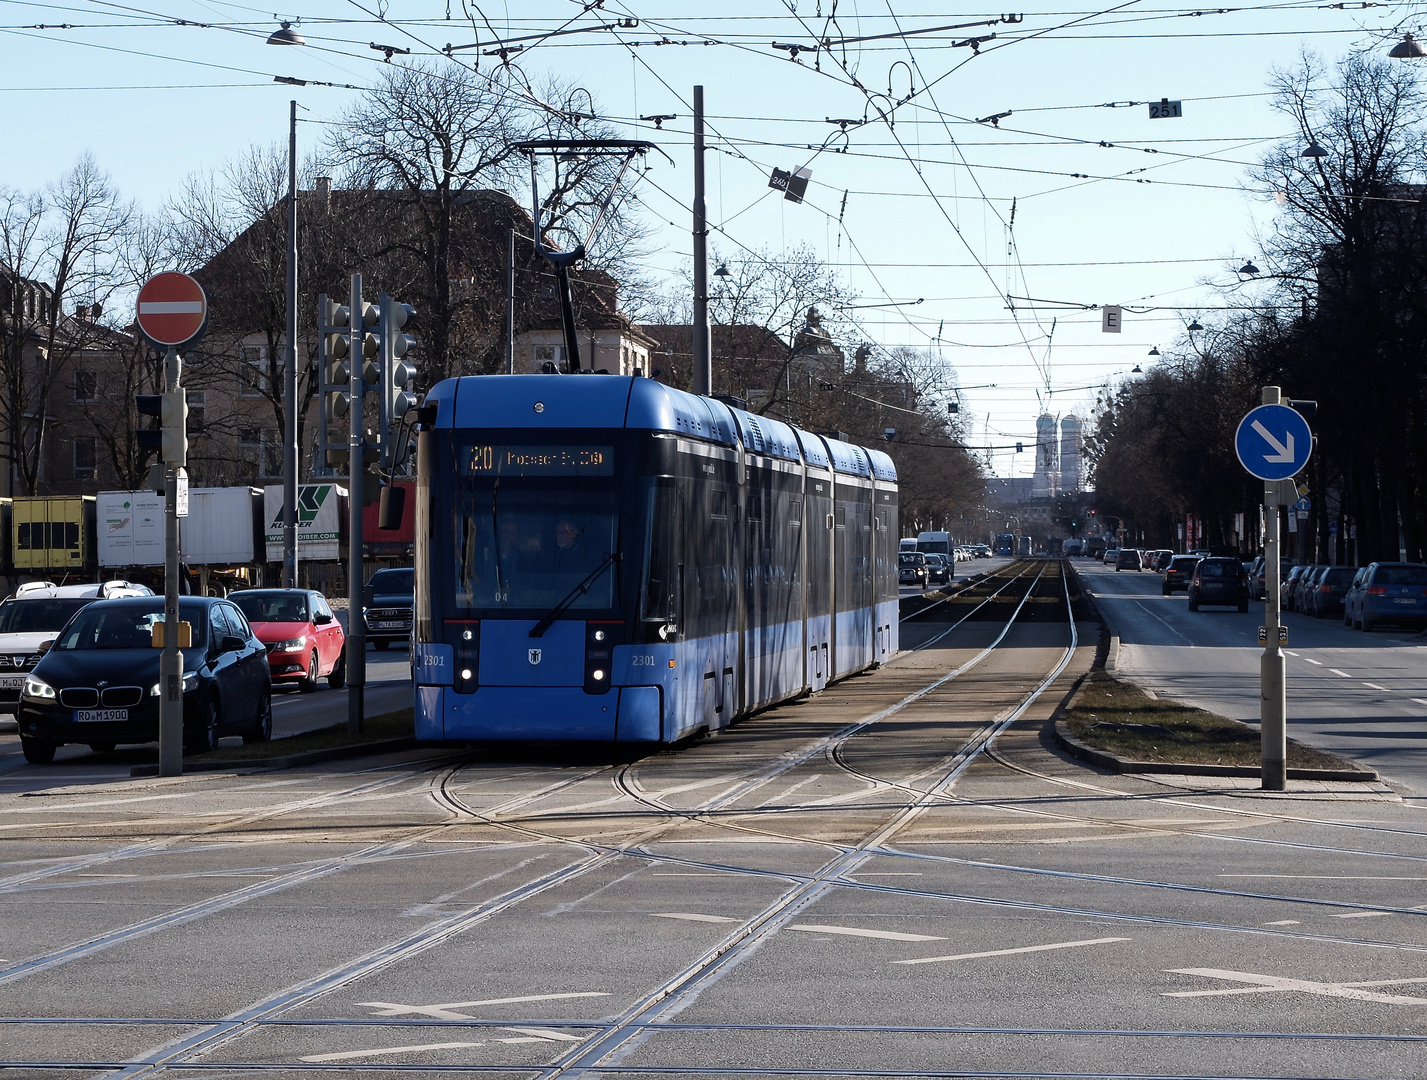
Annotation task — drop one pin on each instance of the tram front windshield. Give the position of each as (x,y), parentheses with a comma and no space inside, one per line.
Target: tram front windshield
(522,548)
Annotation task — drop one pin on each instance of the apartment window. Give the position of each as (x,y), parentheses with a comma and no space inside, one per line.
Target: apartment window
(196,401)
(253,372)
(86,385)
(260,451)
(85,457)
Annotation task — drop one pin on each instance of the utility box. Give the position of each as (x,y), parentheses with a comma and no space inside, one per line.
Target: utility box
(53,533)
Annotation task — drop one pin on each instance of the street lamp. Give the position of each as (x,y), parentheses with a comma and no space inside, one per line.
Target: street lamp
(286,36)
(1407,49)
(1249,268)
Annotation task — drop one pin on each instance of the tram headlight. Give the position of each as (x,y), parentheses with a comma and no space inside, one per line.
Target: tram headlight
(466,673)
(597,675)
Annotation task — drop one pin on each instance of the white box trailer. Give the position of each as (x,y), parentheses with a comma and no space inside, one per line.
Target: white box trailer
(221,528)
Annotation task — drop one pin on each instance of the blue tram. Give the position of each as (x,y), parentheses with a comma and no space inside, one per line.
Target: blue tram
(605,558)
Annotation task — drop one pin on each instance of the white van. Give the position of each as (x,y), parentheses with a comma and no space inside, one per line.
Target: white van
(34,614)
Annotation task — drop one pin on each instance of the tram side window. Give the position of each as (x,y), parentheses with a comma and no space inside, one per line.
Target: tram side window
(714,606)
(660,604)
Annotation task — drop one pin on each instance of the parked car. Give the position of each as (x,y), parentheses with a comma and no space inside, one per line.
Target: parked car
(1110,556)
(1327,596)
(1287,587)
(387,603)
(36,613)
(911,568)
(1303,588)
(1387,592)
(938,570)
(1260,572)
(1160,560)
(1178,573)
(1128,559)
(98,681)
(304,640)
(1219,581)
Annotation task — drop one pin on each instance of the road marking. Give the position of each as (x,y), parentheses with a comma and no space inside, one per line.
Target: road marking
(691,875)
(1375,686)
(1343,674)
(447,1011)
(1284,922)
(1310,660)
(889,873)
(1419,701)
(853,931)
(348,1055)
(1011,952)
(689,916)
(1260,984)
(1360,914)
(543,1033)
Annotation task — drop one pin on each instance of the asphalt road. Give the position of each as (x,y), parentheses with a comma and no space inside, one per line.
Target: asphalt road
(792,898)
(1363,696)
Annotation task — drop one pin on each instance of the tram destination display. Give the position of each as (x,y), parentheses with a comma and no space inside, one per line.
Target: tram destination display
(485,459)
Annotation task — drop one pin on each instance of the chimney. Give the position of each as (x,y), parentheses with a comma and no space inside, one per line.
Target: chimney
(324,194)
(81,312)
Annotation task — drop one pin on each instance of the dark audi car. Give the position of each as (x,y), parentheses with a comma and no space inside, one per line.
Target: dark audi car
(1219,581)
(98,682)
(387,603)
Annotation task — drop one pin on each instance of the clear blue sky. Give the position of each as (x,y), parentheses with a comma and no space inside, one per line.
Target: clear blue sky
(1159,206)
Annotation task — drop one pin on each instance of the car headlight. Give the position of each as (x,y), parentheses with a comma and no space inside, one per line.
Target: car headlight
(190,684)
(37,689)
(294,644)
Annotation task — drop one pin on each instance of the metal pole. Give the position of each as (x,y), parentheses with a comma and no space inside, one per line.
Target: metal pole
(510,309)
(356,466)
(1273,704)
(289,396)
(171,660)
(703,362)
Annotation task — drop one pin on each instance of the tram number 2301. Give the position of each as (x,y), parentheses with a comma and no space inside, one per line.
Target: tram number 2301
(642,660)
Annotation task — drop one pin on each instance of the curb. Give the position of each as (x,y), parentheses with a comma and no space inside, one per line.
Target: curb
(1113,763)
(287,761)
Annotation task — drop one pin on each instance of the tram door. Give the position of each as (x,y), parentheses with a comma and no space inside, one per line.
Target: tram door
(717,599)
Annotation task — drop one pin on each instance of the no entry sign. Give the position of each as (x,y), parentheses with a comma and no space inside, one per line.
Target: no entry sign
(172,309)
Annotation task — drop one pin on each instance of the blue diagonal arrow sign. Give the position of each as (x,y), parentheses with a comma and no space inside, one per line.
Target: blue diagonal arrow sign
(1273,442)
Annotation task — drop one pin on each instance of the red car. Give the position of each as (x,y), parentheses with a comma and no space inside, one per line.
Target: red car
(304,640)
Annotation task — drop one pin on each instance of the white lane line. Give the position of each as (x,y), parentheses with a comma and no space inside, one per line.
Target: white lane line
(1375,686)
(543,1033)
(1310,660)
(1360,914)
(447,1011)
(1011,952)
(1259,984)
(690,916)
(1343,674)
(1419,701)
(853,931)
(349,1055)
(1284,922)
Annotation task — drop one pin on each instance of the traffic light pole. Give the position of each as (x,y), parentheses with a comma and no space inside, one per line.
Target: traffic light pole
(356,466)
(171,661)
(1273,690)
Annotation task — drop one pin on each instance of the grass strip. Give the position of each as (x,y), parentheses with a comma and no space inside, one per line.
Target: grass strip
(375,729)
(1121,719)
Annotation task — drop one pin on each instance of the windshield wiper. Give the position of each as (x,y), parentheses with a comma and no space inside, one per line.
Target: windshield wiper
(538,630)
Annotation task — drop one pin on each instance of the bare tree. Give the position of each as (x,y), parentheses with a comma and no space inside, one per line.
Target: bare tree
(56,246)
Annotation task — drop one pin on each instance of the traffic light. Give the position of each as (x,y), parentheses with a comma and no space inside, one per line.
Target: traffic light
(170,439)
(334,383)
(395,375)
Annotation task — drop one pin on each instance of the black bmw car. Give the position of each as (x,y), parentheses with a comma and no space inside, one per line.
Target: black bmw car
(98,682)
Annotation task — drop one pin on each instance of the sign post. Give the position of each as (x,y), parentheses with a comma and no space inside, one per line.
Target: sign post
(1273,443)
(172,311)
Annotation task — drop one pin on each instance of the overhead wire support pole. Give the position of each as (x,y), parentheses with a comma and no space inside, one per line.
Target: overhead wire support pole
(1273,689)
(356,467)
(510,308)
(702,344)
(290,451)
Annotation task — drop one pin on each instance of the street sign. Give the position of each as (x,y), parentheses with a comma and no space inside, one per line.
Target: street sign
(172,309)
(1273,442)
(1164,109)
(1111,316)
(1303,506)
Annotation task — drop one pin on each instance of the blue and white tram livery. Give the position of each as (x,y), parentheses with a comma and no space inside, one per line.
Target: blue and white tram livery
(603,558)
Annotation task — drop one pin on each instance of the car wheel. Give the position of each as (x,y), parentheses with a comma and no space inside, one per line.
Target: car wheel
(263,722)
(338,676)
(1244,606)
(380,644)
(1193,605)
(103,746)
(1164,592)
(1367,625)
(309,681)
(38,751)
(205,739)
(1347,619)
